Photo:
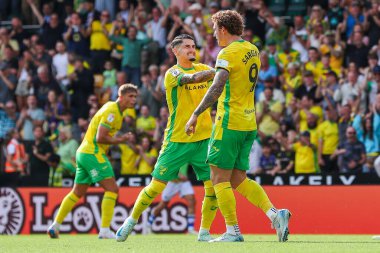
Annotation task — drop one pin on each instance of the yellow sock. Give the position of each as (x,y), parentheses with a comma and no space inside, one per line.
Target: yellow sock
(108,205)
(209,206)
(255,194)
(146,197)
(66,206)
(226,202)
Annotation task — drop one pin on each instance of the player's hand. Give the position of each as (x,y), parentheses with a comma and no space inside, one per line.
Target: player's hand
(191,124)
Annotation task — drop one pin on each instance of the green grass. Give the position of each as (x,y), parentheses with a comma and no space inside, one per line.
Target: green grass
(187,243)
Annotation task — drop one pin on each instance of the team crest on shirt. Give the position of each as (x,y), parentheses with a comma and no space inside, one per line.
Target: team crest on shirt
(175,72)
(222,63)
(111,117)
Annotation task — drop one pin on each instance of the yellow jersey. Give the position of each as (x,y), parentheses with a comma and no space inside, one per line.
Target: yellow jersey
(236,105)
(329,134)
(182,100)
(293,82)
(316,68)
(109,116)
(128,160)
(317,111)
(144,167)
(306,160)
(99,40)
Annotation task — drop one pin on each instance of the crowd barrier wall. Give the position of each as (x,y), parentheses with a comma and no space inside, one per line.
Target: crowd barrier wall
(315,210)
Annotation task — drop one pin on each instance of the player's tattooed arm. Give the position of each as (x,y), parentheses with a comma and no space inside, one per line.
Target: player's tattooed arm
(214,91)
(198,77)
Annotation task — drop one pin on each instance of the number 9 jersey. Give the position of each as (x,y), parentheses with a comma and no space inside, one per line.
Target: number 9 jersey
(236,105)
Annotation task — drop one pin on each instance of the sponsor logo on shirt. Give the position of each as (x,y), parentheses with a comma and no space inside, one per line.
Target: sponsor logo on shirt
(111,117)
(222,63)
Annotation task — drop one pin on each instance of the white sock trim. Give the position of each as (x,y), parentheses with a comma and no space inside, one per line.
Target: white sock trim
(271,213)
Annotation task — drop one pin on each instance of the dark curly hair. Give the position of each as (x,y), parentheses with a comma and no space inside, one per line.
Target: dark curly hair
(232,21)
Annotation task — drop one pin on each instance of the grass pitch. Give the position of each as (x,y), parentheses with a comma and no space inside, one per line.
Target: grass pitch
(187,243)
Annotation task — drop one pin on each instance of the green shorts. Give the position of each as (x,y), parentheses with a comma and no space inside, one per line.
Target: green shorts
(174,155)
(229,149)
(92,168)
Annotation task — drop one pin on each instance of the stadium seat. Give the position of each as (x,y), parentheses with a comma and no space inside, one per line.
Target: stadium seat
(277,7)
(296,7)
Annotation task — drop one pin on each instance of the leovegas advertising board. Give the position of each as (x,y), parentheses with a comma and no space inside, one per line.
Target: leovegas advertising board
(316,210)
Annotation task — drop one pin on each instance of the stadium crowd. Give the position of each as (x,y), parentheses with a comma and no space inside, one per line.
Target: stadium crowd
(317,94)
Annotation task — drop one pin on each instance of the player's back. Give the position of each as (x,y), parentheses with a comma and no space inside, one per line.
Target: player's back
(108,116)
(182,100)
(236,105)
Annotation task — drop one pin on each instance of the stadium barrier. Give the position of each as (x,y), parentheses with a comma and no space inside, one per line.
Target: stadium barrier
(316,210)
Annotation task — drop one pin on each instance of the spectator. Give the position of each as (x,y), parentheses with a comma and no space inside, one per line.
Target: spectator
(27,69)
(357,52)
(125,11)
(53,109)
(334,14)
(42,84)
(330,45)
(109,76)
(76,36)
(5,40)
(355,16)
(352,93)
(129,155)
(18,33)
(8,118)
(16,158)
(327,88)
(266,72)
(365,129)
(81,87)
(305,155)
(304,109)
(30,118)
(268,113)
(314,65)
(100,45)
(90,13)
(147,157)
(308,87)
(41,57)
(268,162)
(121,78)
(291,82)
(149,95)
(328,141)
(351,153)
(60,64)
(39,153)
(161,124)
(52,29)
(210,51)
(132,48)
(8,83)
(278,95)
(145,123)
(66,149)
(372,23)
(156,28)
(55,171)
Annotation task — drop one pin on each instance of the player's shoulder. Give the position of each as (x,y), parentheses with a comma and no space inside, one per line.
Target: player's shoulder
(201,66)
(173,72)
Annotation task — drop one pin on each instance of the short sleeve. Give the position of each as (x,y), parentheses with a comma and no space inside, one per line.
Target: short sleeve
(296,146)
(11,149)
(172,78)
(108,119)
(224,60)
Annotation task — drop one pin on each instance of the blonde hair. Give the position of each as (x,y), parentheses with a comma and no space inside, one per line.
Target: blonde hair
(127,88)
